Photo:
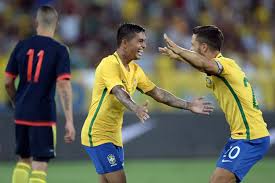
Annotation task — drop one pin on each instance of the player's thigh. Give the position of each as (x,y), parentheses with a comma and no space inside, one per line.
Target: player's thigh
(22,141)
(102,179)
(116,177)
(40,165)
(221,175)
(42,143)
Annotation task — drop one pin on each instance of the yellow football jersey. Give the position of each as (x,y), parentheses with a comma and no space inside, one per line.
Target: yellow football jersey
(104,121)
(237,100)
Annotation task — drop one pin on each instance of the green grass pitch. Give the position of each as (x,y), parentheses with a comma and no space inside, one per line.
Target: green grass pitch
(147,171)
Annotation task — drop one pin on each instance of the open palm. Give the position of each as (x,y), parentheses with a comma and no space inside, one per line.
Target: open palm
(200,106)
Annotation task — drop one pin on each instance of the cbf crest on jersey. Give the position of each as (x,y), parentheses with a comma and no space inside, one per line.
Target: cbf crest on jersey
(209,82)
(112,159)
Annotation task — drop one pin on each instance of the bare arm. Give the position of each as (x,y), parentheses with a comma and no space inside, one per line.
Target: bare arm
(165,97)
(198,61)
(65,93)
(123,96)
(10,88)
(64,90)
(197,105)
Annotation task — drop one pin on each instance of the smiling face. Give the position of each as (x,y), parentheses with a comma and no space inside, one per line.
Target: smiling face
(135,46)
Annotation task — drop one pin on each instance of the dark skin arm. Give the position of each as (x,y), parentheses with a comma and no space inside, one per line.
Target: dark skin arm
(123,96)
(165,97)
(10,88)
(196,106)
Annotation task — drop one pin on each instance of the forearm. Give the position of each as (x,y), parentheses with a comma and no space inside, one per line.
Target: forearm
(173,101)
(165,97)
(193,58)
(64,89)
(125,99)
(11,91)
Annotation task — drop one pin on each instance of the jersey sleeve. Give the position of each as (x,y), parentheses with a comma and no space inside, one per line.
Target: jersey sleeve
(12,66)
(144,83)
(110,73)
(63,68)
(224,65)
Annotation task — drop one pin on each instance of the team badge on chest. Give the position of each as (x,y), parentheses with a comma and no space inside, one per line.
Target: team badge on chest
(209,82)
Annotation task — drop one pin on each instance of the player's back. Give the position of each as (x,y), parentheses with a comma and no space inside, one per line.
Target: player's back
(39,61)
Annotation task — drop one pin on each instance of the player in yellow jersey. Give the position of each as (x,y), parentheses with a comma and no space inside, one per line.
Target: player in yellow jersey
(116,79)
(249,139)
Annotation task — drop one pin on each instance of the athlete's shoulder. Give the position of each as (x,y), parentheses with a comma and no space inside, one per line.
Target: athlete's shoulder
(136,67)
(228,61)
(109,61)
(60,45)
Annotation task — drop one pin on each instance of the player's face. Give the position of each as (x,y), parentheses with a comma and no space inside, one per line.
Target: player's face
(136,46)
(196,45)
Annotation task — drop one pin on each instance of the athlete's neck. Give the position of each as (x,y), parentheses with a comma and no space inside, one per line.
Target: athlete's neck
(123,57)
(45,32)
(211,54)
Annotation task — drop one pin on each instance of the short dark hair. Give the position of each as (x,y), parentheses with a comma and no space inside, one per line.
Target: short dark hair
(211,35)
(127,31)
(47,15)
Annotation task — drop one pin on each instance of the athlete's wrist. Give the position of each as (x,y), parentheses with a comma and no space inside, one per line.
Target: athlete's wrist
(188,105)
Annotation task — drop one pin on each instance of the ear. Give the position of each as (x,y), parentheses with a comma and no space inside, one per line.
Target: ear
(124,43)
(204,47)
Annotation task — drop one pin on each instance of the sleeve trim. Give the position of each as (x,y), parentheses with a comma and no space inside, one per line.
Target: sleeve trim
(64,76)
(112,86)
(220,67)
(148,88)
(11,75)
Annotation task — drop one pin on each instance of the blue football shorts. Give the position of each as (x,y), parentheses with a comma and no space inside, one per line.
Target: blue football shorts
(239,156)
(106,157)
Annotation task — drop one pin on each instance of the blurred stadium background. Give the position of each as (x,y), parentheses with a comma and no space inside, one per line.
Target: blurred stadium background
(173,146)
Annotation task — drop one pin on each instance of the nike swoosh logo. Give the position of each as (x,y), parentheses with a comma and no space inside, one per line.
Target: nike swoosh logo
(136,130)
(226,161)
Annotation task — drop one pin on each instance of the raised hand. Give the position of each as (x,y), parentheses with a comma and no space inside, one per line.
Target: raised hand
(142,112)
(171,45)
(200,106)
(167,52)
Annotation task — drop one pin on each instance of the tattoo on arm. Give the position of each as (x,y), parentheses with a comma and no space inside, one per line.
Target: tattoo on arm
(124,97)
(165,97)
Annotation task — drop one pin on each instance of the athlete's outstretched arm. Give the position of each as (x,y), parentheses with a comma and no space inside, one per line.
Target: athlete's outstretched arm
(198,61)
(197,105)
(64,90)
(123,96)
(10,88)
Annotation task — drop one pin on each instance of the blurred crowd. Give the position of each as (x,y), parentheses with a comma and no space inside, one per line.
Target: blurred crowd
(89,27)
